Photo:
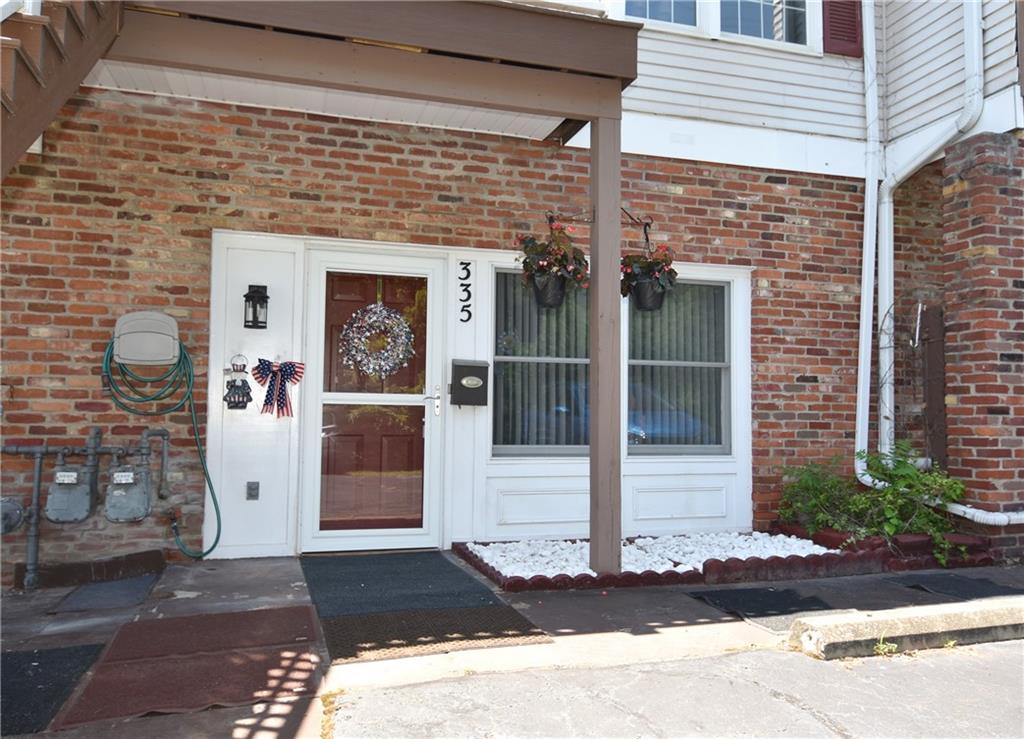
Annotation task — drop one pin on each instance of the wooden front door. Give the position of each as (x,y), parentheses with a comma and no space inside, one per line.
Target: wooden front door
(380,405)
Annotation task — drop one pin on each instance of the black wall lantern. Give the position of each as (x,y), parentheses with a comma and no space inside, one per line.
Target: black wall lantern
(256,306)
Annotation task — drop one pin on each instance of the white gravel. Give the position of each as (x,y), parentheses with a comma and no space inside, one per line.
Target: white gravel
(681,553)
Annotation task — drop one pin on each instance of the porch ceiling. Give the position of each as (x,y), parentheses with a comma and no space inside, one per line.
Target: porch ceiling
(201,85)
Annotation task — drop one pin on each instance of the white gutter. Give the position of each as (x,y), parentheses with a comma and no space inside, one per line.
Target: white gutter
(880,204)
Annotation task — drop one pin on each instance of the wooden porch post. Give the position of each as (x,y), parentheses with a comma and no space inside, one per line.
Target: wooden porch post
(605,348)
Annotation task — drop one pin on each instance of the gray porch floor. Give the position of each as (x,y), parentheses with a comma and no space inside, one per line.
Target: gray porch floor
(591,629)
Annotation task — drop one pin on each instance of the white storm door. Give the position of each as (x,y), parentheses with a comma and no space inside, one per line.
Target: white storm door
(372,457)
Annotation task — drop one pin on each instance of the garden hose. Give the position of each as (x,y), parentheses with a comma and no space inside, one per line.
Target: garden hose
(127,392)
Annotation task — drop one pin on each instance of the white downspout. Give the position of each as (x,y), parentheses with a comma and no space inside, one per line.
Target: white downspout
(880,204)
(872,166)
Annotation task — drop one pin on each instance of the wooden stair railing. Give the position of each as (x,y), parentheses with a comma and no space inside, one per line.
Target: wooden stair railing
(44,60)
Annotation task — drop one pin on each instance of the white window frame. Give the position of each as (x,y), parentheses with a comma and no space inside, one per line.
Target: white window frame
(709,26)
(738,420)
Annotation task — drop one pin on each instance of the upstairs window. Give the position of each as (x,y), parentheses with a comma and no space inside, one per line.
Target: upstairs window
(795,25)
(683,12)
(774,20)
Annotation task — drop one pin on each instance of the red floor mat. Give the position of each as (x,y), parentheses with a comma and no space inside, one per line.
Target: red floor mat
(215,632)
(179,665)
(191,683)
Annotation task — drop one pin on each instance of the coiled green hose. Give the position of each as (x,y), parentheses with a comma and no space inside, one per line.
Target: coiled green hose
(126,391)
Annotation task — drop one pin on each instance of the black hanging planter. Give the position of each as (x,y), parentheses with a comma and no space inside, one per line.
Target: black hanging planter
(549,290)
(648,295)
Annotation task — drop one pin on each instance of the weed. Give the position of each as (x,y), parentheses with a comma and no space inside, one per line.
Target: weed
(818,496)
(885,648)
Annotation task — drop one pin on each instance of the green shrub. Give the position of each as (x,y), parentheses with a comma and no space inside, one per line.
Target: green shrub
(817,496)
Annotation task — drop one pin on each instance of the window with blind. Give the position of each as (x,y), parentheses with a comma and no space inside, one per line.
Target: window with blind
(540,372)
(677,373)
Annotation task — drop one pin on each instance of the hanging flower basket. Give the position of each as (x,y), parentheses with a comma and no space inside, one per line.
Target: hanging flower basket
(647,295)
(552,267)
(647,276)
(548,289)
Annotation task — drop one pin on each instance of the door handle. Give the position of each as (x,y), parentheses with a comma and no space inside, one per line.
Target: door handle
(436,397)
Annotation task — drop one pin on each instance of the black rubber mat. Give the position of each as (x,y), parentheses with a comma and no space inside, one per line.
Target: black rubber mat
(964,588)
(778,608)
(344,585)
(773,608)
(426,631)
(35,684)
(97,596)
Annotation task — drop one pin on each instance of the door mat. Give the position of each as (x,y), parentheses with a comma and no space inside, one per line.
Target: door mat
(191,683)
(105,595)
(36,683)
(777,608)
(965,588)
(293,626)
(351,584)
(425,631)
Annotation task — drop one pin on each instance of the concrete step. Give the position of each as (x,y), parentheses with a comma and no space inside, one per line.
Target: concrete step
(871,633)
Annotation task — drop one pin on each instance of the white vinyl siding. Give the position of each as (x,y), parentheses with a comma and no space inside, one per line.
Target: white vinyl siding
(922,48)
(729,82)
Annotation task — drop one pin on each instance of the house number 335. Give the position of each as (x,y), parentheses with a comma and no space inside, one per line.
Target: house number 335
(465,292)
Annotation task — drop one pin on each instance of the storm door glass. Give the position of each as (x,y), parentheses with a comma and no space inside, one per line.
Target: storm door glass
(373,402)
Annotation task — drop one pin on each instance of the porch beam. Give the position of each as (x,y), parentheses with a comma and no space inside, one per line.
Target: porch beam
(527,35)
(605,347)
(185,43)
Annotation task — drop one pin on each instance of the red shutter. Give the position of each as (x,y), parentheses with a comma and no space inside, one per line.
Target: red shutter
(842,27)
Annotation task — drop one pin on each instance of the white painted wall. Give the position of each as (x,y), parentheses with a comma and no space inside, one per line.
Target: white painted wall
(482,497)
(243,445)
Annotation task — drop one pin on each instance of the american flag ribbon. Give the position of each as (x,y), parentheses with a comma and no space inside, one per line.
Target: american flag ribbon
(277,376)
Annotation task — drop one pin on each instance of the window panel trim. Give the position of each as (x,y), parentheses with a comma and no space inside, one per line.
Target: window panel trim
(541,359)
(709,26)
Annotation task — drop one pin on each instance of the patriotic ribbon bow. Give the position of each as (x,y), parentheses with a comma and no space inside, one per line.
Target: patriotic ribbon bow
(277,376)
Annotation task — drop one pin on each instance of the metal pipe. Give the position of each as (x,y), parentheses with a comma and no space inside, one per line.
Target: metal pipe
(92,460)
(32,555)
(164,437)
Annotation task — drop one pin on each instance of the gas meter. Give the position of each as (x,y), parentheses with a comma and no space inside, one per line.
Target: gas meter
(128,493)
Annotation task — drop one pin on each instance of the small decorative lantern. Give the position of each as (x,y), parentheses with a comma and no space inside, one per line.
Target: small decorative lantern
(256,306)
(239,393)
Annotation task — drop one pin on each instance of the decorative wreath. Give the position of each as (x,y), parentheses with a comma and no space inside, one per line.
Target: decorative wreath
(376,319)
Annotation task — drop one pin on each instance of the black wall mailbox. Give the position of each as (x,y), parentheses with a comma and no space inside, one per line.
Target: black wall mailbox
(469,382)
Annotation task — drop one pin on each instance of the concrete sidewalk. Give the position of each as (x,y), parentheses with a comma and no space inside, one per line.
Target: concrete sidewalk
(963,692)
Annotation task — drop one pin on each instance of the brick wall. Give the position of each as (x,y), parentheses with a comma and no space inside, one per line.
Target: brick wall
(117,215)
(983,216)
(919,278)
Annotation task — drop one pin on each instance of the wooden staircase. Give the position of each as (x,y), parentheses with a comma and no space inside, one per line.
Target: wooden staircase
(44,59)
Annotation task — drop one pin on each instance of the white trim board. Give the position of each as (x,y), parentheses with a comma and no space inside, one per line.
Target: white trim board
(725,143)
